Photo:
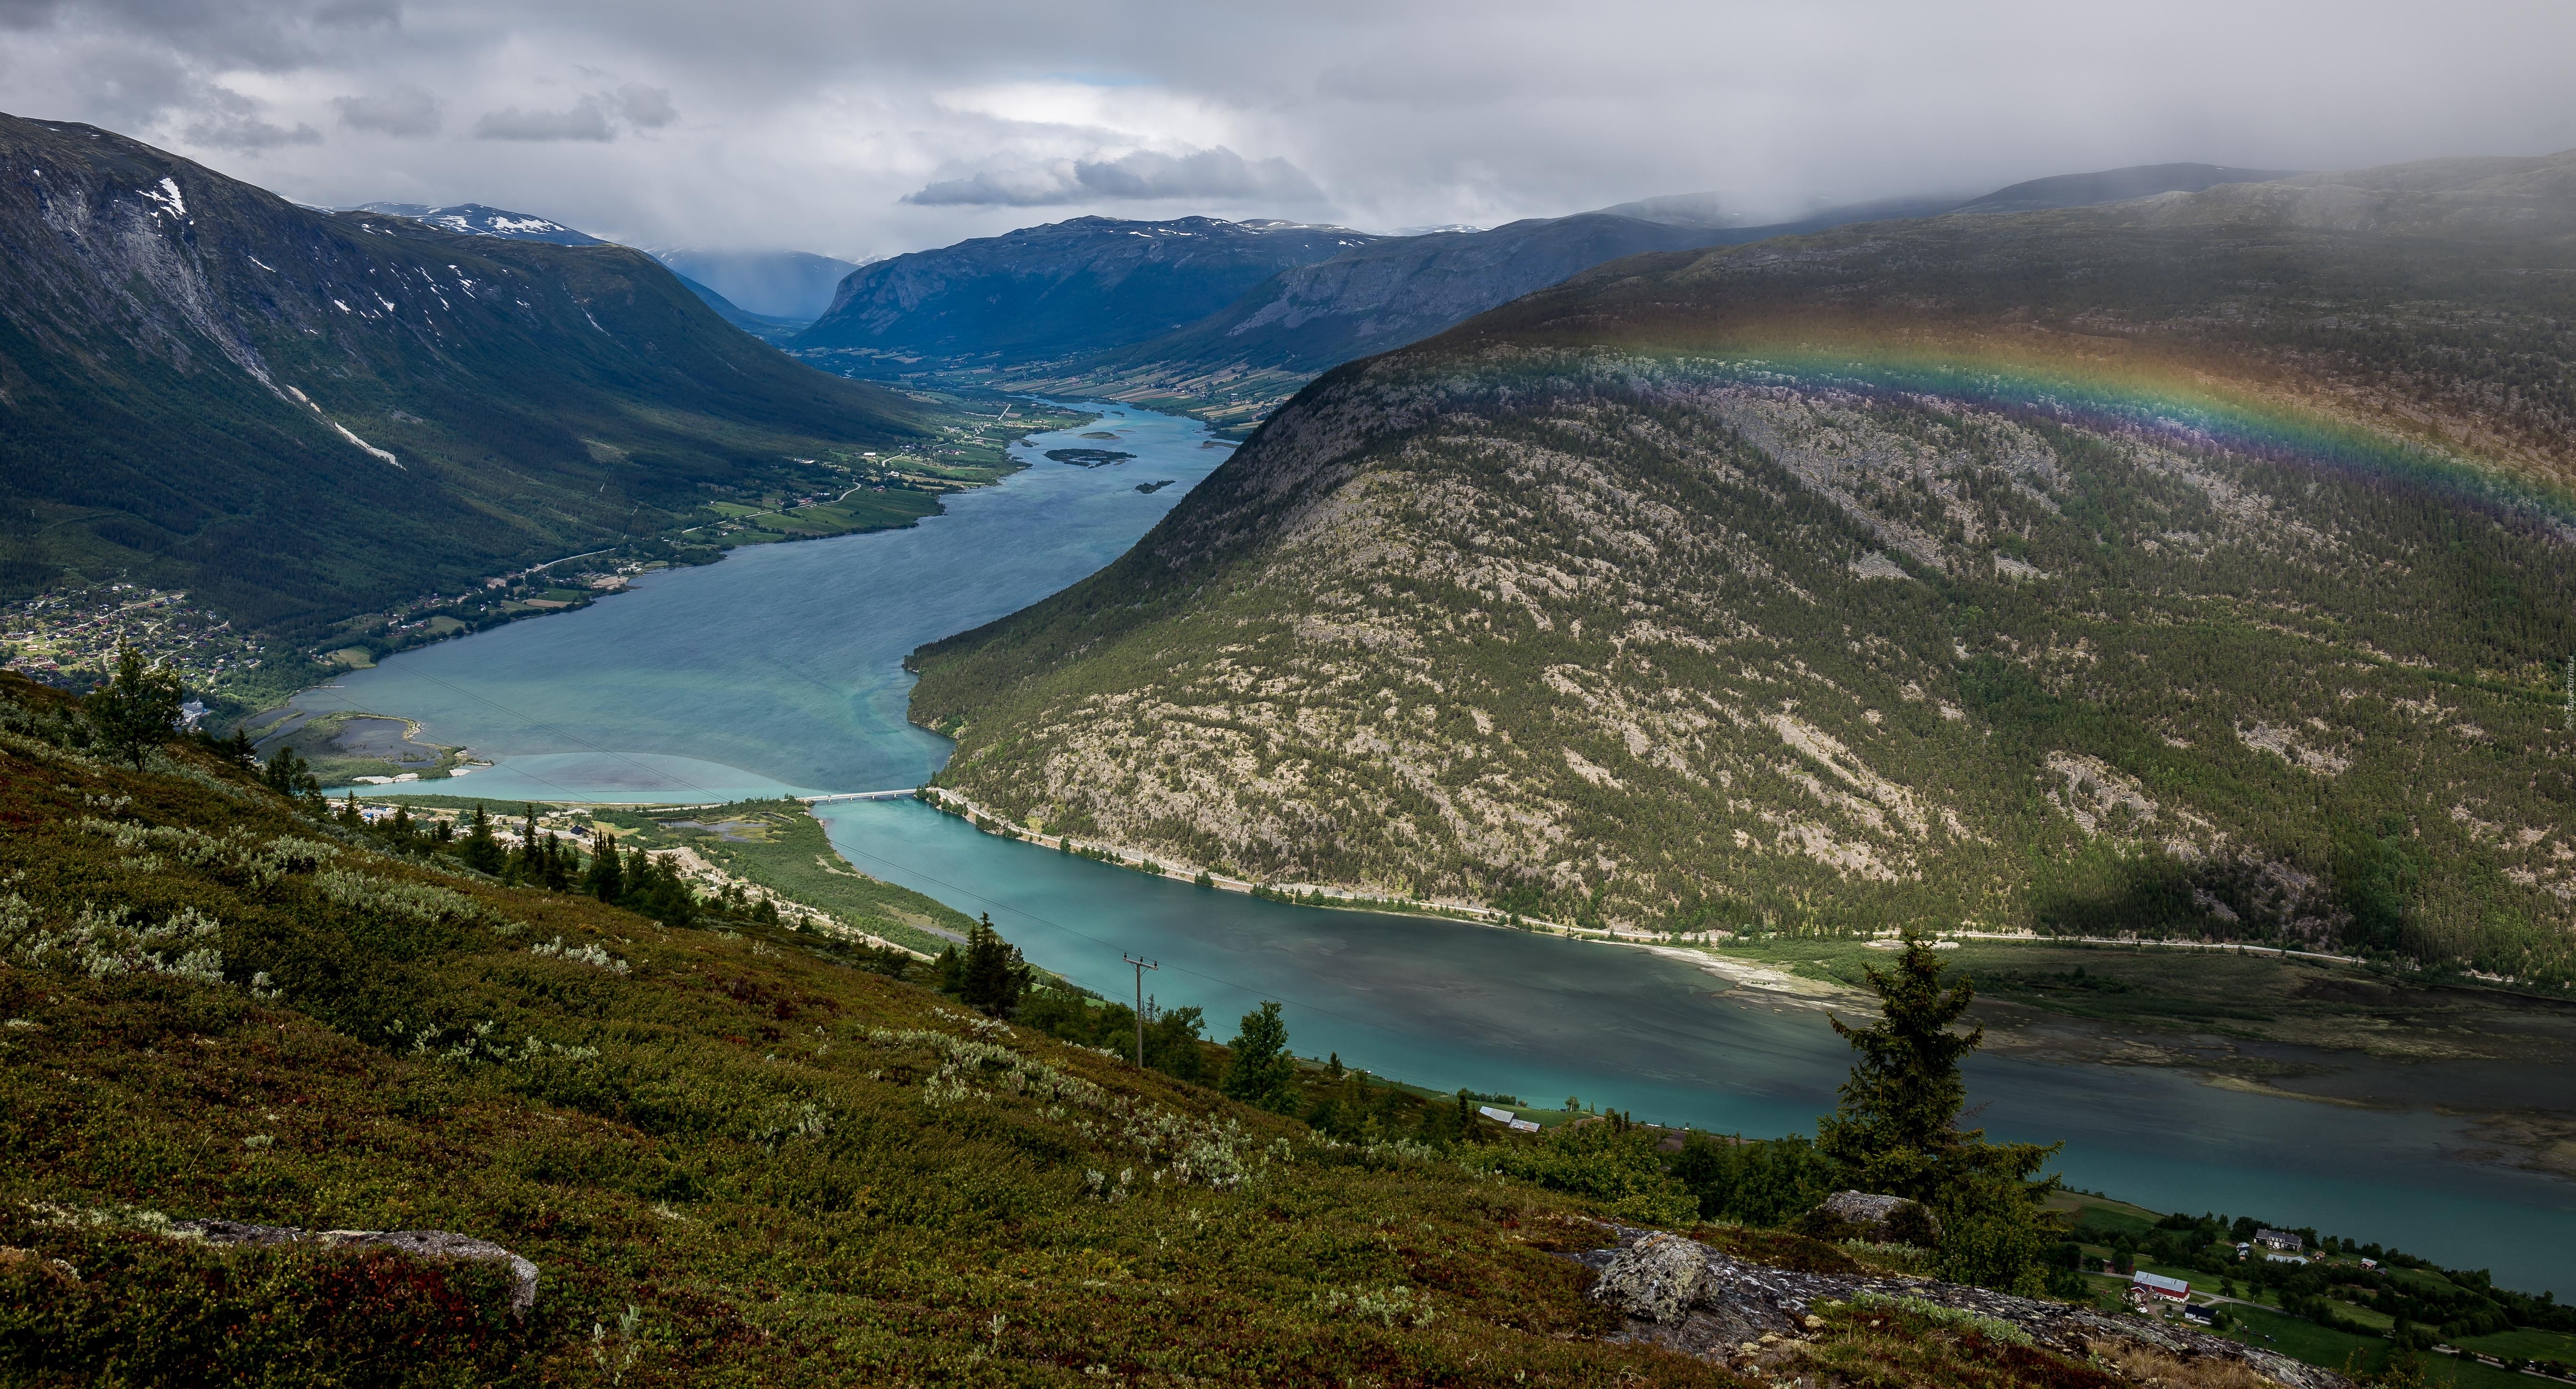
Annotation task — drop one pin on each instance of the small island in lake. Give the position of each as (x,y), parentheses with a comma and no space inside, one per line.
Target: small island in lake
(1150,488)
(1088,458)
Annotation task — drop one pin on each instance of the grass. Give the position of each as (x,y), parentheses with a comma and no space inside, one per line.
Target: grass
(783,848)
(2525,1343)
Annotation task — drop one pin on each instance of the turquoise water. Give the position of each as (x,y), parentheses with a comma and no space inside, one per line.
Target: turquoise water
(778,671)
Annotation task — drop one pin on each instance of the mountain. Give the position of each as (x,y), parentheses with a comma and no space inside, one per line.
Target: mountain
(2116,185)
(2193,565)
(791,285)
(297,415)
(1679,210)
(474,219)
(1379,297)
(1083,286)
(1388,293)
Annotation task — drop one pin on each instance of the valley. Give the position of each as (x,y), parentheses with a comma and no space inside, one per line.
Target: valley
(2064,695)
(1784,621)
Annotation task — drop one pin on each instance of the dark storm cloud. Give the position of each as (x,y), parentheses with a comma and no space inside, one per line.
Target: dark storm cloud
(869,126)
(1215,175)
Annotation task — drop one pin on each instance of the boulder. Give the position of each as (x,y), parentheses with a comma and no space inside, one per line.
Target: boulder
(1727,1308)
(421,1244)
(1877,1219)
(1654,1278)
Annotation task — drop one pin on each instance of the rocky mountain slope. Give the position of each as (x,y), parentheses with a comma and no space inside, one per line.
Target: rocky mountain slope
(1380,297)
(2198,564)
(1077,287)
(297,415)
(474,219)
(1371,298)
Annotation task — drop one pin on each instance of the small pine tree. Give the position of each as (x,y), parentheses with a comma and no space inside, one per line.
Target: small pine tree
(606,878)
(1261,1073)
(238,748)
(137,709)
(481,852)
(993,976)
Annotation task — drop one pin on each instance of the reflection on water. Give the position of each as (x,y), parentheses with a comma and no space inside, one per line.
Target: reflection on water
(778,671)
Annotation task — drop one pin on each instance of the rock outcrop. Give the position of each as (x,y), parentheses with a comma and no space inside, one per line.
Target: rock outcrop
(1878,1219)
(422,1244)
(1679,1293)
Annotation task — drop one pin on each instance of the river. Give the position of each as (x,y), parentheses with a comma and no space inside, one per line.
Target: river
(778,672)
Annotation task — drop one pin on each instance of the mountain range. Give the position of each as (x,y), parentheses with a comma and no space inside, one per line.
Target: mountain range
(2192,564)
(296,415)
(1059,300)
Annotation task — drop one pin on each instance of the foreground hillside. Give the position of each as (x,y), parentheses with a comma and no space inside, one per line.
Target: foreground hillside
(2197,564)
(298,416)
(739,1161)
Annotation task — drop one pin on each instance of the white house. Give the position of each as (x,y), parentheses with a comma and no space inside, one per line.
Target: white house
(2280,1239)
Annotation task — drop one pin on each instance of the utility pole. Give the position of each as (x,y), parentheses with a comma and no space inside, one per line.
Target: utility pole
(1141,965)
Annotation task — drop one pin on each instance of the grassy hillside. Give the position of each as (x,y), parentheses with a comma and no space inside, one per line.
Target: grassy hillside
(298,416)
(2194,566)
(734,1157)
(739,1161)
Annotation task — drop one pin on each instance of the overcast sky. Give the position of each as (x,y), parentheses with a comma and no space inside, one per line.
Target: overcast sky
(860,128)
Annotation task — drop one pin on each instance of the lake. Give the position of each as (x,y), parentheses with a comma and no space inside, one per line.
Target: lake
(778,671)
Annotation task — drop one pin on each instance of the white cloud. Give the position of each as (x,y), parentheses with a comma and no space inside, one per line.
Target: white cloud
(860,127)
(1209,176)
(400,109)
(586,120)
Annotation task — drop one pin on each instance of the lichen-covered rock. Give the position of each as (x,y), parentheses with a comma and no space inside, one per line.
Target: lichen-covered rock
(1733,1304)
(423,1244)
(1878,1219)
(1654,1278)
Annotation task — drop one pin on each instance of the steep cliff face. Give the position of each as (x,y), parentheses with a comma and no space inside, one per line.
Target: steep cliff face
(2181,566)
(297,414)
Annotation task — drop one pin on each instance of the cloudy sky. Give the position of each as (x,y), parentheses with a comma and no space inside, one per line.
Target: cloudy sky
(860,128)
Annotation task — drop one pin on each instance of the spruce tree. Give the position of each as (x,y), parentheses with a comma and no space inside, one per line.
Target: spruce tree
(993,975)
(605,880)
(481,852)
(1897,1125)
(137,709)
(1261,1073)
(1896,1131)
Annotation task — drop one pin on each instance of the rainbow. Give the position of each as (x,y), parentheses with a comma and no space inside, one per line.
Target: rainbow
(2131,394)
